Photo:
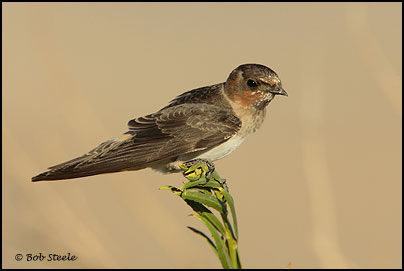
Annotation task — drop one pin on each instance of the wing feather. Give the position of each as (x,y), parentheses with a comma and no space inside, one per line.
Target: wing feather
(172,131)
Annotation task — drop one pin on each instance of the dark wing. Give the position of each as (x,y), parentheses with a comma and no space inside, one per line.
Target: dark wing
(182,129)
(171,132)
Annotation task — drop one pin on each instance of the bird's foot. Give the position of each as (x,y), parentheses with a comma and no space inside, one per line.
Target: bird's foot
(224,185)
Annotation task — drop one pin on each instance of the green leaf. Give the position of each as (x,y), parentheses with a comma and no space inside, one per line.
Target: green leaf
(173,189)
(192,184)
(213,184)
(206,213)
(230,201)
(216,176)
(195,172)
(206,199)
(167,187)
(204,168)
(220,245)
(206,238)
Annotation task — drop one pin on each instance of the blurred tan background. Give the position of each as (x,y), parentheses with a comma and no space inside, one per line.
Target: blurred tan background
(318,186)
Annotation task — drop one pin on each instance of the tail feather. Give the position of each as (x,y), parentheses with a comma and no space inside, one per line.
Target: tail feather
(74,170)
(106,158)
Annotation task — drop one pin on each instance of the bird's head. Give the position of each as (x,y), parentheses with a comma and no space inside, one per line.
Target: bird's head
(253,85)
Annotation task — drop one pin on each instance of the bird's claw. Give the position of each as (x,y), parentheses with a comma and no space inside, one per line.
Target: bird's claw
(224,185)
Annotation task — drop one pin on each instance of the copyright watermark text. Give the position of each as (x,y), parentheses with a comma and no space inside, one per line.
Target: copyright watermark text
(51,257)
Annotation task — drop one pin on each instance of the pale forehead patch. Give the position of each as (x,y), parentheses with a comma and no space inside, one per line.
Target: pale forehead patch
(273,81)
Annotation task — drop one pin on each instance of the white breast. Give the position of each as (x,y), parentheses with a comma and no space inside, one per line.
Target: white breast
(213,154)
(223,149)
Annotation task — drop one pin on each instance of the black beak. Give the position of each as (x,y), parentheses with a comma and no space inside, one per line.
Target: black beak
(279,91)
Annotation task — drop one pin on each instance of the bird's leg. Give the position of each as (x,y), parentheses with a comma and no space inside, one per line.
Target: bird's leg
(224,184)
(209,164)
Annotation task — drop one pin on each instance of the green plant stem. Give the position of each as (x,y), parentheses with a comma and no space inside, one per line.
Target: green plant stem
(201,195)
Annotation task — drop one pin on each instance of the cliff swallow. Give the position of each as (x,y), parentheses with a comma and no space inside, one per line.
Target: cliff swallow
(206,123)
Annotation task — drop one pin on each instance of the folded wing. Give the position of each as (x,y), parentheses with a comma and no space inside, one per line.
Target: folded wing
(170,132)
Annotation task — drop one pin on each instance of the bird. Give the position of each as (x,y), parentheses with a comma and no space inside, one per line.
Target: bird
(203,124)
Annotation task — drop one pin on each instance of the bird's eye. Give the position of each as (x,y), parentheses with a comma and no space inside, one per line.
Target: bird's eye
(252,83)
